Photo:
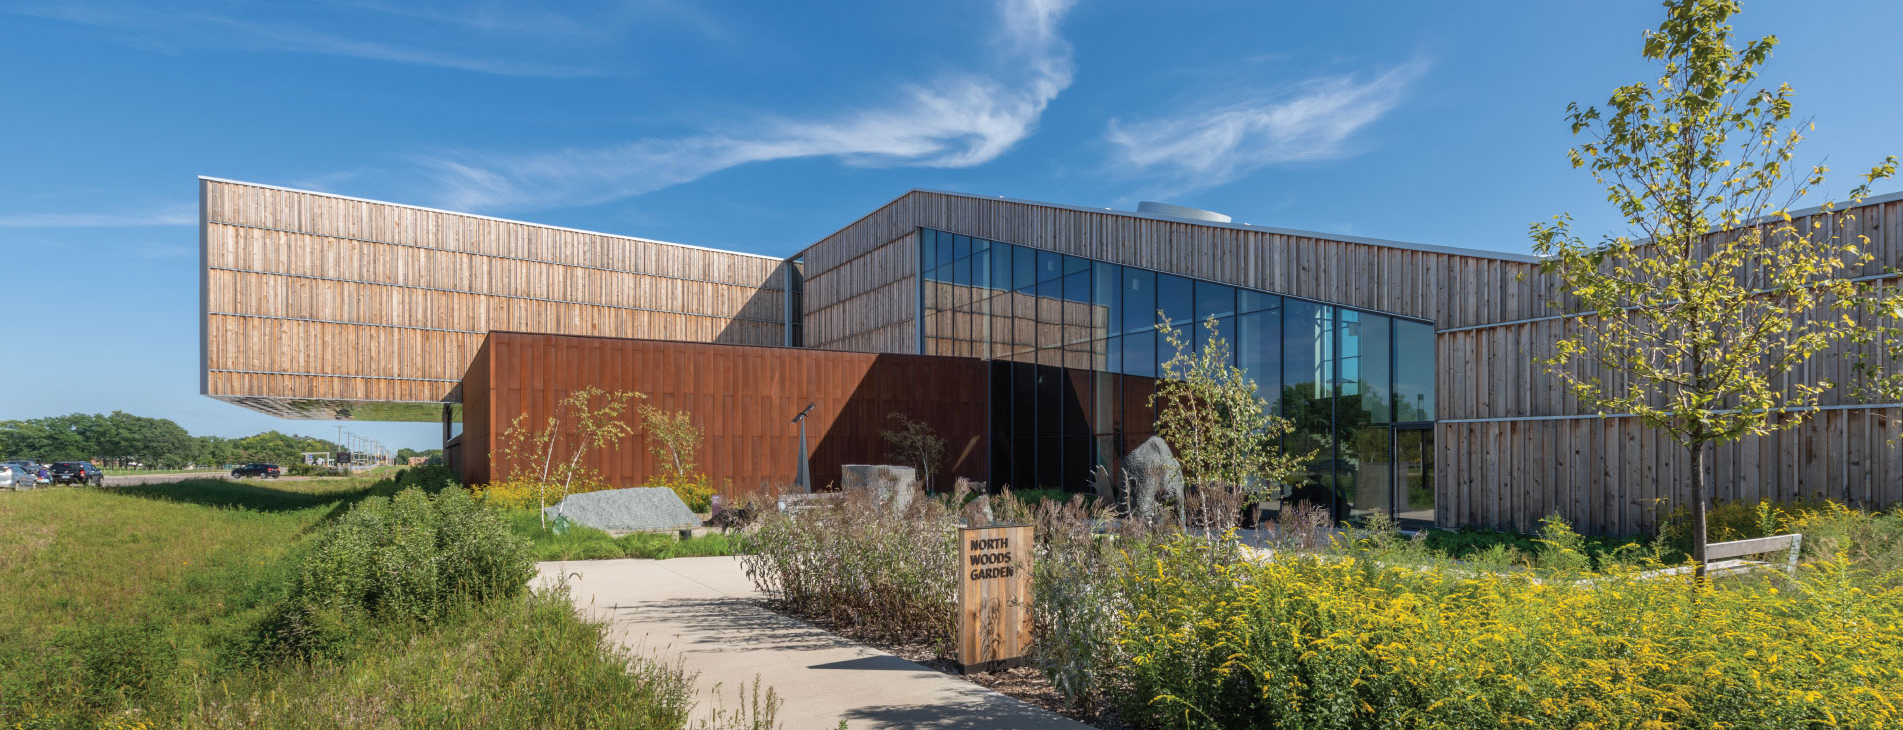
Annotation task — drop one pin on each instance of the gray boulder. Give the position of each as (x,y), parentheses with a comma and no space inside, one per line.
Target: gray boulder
(1155,479)
(894,485)
(641,509)
(1105,485)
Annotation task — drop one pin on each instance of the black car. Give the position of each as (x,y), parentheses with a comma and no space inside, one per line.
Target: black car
(255,470)
(77,472)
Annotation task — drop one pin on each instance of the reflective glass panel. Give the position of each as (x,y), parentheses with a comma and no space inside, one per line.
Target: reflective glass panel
(1050,265)
(1139,301)
(1105,283)
(1413,371)
(1051,390)
(927,249)
(1175,297)
(1001,266)
(1308,401)
(1364,367)
(1255,301)
(1024,269)
(1414,477)
(961,247)
(1139,354)
(1077,289)
(1024,393)
(1259,353)
(1214,300)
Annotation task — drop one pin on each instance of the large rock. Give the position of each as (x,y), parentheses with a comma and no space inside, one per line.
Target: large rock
(627,510)
(1109,495)
(894,485)
(1155,478)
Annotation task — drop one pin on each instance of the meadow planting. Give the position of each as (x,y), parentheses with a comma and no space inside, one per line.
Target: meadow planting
(1370,629)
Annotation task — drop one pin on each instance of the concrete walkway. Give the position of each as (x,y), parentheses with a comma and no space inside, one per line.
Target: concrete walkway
(700,611)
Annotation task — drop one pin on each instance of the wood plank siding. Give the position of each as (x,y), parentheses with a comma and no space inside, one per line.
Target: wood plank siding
(743,397)
(314,301)
(1513,444)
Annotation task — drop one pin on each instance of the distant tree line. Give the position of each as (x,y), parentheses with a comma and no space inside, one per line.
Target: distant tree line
(405,454)
(122,438)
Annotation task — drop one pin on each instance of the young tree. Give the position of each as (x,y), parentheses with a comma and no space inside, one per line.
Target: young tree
(914,442)
(1699,319)
(1223,434)
(549,459)
(674,437)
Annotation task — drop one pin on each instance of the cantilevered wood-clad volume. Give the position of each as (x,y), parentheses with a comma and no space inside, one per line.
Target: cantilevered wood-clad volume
(318,305)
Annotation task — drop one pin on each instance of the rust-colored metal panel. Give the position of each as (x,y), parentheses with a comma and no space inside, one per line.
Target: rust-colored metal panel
(743,397)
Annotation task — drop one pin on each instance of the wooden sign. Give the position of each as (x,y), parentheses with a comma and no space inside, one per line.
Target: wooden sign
(994,597)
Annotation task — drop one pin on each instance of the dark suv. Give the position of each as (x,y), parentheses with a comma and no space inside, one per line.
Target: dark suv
(77,472)
(255,470)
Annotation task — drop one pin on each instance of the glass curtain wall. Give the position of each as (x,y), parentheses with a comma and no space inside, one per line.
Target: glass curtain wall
(1075,355)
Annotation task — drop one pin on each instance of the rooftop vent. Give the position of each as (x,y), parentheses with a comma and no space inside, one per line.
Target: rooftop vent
(1177,211)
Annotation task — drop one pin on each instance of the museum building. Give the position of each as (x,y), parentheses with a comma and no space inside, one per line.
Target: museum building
(1025,333)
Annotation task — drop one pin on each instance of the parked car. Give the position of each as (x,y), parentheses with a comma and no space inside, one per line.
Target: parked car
(78,472)
(12,476)
(256,470)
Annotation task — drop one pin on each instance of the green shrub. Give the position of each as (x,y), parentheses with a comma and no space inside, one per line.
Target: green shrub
(407,558)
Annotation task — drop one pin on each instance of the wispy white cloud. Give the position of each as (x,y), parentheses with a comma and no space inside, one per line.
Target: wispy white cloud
(183,216)
(957,120)
(1203,145)
(495,37)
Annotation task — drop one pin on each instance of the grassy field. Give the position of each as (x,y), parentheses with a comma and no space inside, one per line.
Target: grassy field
(132,606)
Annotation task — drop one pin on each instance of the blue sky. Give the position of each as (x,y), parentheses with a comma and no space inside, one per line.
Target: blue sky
(765,126)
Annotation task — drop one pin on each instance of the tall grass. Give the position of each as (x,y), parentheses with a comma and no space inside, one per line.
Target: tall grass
(859,562)
(148,605)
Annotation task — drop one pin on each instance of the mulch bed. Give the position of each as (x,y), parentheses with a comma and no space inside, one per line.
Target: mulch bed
(1025,683)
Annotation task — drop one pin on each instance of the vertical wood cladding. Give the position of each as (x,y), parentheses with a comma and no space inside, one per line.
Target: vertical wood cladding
(744,398)
(1516,444)
(1614,476)
(314,296)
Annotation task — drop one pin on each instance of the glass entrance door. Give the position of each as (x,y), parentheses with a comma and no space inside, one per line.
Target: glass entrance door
(1414,478)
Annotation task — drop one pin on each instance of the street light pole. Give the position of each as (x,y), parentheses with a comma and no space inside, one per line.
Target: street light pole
(805,477)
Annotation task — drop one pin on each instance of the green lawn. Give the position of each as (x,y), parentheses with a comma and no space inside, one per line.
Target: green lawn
(132,606)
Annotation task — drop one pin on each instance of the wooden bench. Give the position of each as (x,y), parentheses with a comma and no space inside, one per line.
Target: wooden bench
(1790,545)
(1724,558)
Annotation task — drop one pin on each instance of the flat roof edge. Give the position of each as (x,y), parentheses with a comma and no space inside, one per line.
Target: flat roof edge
(485,217)
(1365,240)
